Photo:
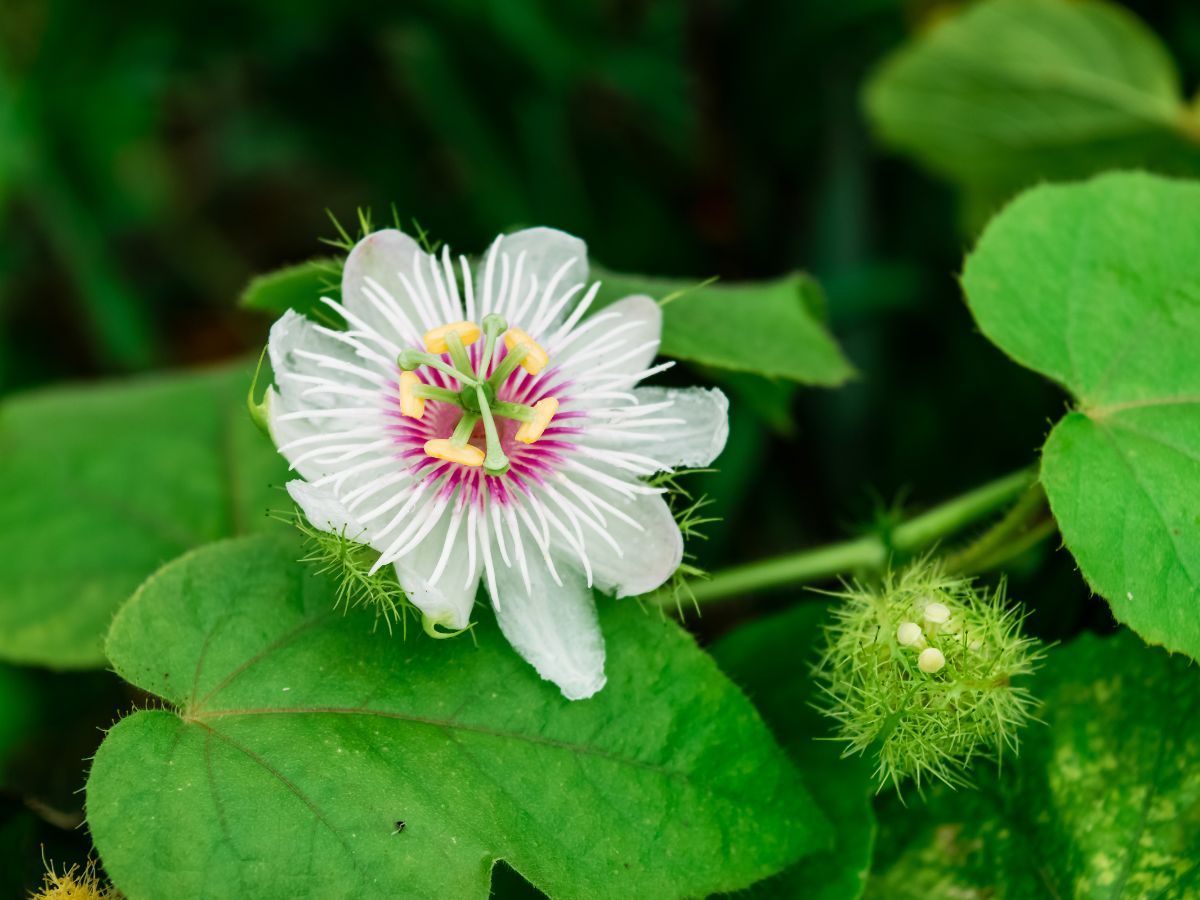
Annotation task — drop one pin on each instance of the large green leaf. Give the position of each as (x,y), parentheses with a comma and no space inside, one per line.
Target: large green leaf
(1102,801)
(1010,92)
(772,328)
(770,659)
(1097,286)
(295,739)
(104,484)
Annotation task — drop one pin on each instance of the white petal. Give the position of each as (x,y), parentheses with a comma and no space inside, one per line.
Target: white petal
(612,346)
(554,258)
(323,510)
(449,600)
(297,348)
(651,546)
(374,286)
(286,432)
(554,628)
(293,341)
(688,427)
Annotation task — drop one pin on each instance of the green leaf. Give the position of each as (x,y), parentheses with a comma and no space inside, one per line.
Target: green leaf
(1102,801)
(1097,286)
(104,484)
(1010,92)
(772,328)
(299,287)
(296,739)
(951,844)
(770,658)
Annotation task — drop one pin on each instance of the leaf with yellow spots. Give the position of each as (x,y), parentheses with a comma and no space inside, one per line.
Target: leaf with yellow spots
(1103,800)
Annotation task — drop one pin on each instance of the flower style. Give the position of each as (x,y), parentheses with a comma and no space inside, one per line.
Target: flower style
(491,429)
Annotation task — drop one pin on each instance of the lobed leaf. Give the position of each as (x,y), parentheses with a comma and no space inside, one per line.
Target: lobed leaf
(295,742)
(103,484)
(1097,286)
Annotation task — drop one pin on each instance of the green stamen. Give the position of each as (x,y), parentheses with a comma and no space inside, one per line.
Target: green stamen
(477,398)
(458,353)
(408,360)
(433,392)
(494,325)
(462,431)
(508,365)
(495,462)
(518,411)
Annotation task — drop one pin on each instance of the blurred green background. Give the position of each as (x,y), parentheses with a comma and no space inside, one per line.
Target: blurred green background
(153,157)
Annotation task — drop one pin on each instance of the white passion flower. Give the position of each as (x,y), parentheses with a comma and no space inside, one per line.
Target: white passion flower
(483,426)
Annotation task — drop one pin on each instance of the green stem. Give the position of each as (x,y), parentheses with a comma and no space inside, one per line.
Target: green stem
(868,552)
(1020,543)
(1025,513)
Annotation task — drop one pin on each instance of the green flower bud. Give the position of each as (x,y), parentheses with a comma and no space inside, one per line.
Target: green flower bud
(926,701)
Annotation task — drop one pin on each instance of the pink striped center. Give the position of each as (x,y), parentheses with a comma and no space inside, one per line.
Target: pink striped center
(529,463)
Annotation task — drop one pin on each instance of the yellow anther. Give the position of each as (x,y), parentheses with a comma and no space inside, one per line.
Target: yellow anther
(435,340)
(535,357)
(467,454)
(410,404)
(543,412)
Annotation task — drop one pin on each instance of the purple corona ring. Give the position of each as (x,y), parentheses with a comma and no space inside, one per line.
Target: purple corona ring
(487,426)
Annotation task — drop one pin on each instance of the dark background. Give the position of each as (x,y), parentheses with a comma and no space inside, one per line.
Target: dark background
(154,156)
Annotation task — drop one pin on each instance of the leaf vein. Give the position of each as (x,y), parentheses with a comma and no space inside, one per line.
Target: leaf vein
(1192,576)
(446,725)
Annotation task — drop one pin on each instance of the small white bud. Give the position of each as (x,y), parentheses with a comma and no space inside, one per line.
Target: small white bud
(975,645)
(931,660)
(909,634)
(937,613)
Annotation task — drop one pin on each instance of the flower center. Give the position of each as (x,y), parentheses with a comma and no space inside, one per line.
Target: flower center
(476,396)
